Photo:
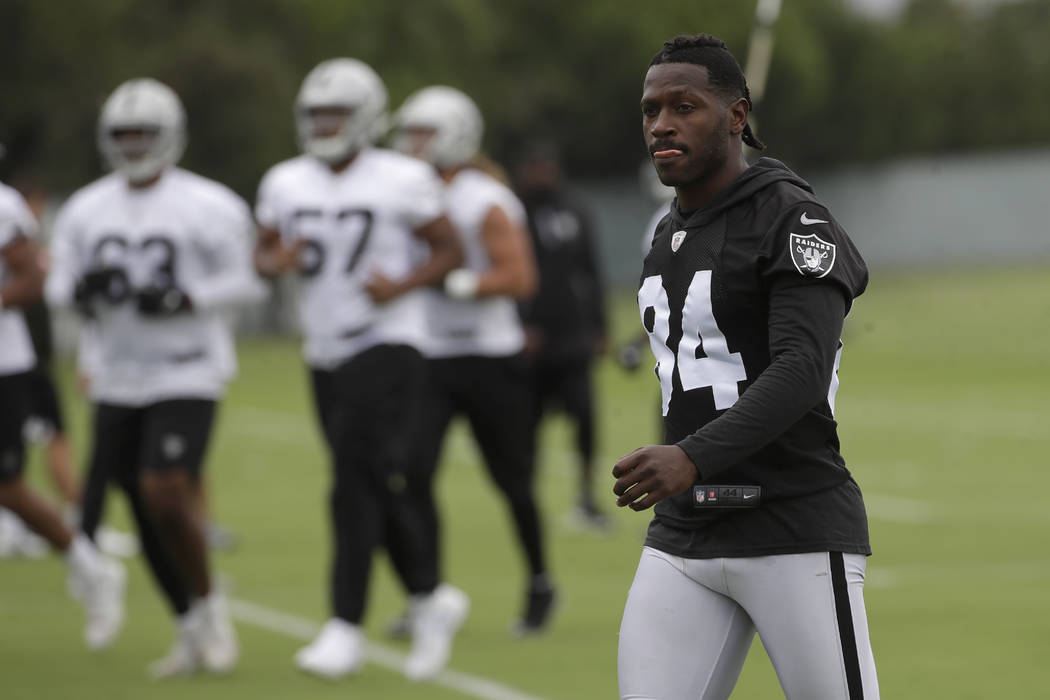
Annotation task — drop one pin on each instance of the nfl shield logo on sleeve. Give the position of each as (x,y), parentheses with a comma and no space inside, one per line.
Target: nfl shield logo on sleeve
(676,241)
(813,256)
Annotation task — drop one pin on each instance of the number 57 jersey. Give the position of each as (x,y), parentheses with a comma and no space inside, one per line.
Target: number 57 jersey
(349,225)
(184,232)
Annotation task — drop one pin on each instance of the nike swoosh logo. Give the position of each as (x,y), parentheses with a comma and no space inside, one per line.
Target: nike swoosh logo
(748,495)
(806,221)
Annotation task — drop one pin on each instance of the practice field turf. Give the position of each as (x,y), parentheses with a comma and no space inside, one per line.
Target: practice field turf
(945,426)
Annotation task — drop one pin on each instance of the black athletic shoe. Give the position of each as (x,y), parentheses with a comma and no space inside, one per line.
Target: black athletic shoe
(219,538)
(539,606)
(400,627)
(588,517)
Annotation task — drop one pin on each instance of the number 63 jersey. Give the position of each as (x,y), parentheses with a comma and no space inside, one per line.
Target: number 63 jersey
(712,301)
(184,232)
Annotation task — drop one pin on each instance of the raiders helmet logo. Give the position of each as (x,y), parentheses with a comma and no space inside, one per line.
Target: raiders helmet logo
(676,240)
(813,256)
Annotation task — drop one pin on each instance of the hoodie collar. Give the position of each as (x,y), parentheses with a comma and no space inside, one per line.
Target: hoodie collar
(761,174)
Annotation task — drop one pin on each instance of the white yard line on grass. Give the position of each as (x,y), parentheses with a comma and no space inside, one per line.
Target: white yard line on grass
(301,628)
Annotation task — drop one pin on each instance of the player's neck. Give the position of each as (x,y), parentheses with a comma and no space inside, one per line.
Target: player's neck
(697,194)
(142,185)
(449,174)
(340,166)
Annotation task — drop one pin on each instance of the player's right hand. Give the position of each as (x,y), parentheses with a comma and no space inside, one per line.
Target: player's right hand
(650,474)
(107,283)
(287,256)
(629,356)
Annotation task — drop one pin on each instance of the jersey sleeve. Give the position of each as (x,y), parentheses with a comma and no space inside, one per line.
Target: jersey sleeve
(805,323)
(807,246)
(227,240)
(15,219)
(423,196)
(88,351)
(64,266)
(267,202)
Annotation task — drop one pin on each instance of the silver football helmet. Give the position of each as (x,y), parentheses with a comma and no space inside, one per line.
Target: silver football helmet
(152,108)
(452,116)
(341,108)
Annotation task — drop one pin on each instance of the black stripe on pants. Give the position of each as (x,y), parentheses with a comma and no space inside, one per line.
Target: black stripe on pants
(844,613)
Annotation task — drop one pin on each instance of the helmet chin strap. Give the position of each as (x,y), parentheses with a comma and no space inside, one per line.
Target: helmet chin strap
(331,150)
(139,172)
(335,148)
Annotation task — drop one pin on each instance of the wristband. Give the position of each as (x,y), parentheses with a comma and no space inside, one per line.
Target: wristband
(462,283)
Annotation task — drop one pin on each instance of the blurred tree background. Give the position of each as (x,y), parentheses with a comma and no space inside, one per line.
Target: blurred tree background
(844,87)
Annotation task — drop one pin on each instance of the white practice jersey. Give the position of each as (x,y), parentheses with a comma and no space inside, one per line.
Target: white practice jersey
(16,347)
(352,224)
(489,326)
(184,228)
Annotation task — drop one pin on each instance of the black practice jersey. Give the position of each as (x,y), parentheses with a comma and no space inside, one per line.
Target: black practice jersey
(744,301)
(569,306)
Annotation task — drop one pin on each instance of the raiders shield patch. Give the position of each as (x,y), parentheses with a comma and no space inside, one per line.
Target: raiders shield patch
(676,240)
(813,256)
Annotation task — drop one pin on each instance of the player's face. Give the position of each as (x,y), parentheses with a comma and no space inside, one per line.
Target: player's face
(134,144)
(685,123)
(415,140)
(326,122)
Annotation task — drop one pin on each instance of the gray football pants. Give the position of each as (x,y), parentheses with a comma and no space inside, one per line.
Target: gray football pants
(688,625)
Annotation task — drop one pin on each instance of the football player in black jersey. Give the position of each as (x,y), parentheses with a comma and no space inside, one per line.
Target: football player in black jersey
(758,524)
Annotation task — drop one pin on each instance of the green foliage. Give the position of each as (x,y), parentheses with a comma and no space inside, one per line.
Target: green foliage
(944,78)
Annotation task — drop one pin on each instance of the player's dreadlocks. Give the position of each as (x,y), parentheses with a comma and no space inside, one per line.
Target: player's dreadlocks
(722,69)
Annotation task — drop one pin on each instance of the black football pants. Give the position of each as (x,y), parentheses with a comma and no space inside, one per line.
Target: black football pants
(368,408)
(495,396)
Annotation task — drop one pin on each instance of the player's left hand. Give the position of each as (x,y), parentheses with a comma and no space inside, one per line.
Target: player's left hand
(381,288)
(650,474)
(162,301)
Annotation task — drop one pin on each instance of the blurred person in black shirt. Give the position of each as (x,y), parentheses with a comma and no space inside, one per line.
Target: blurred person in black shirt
(565,322)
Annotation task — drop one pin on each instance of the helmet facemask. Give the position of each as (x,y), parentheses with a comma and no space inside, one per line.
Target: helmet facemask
(440,125)
(340,109)
(142,130)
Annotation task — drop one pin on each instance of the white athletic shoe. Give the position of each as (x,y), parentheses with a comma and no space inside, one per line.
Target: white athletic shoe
(436,621)
(338,650)
(7,533)
(183,658)
(116,543)
(216,638)
(17,540)
(103,599)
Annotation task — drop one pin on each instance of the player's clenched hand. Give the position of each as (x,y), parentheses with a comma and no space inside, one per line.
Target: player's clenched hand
(287,257)
(381,288)
(650,474)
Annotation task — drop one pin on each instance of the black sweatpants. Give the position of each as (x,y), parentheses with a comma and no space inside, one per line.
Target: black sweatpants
(368,408)
(495,396)
(567,382)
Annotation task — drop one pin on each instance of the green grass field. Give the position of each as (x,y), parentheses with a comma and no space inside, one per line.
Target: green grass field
(944,424)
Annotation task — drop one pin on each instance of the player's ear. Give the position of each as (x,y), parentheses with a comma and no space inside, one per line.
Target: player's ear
(738,111)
